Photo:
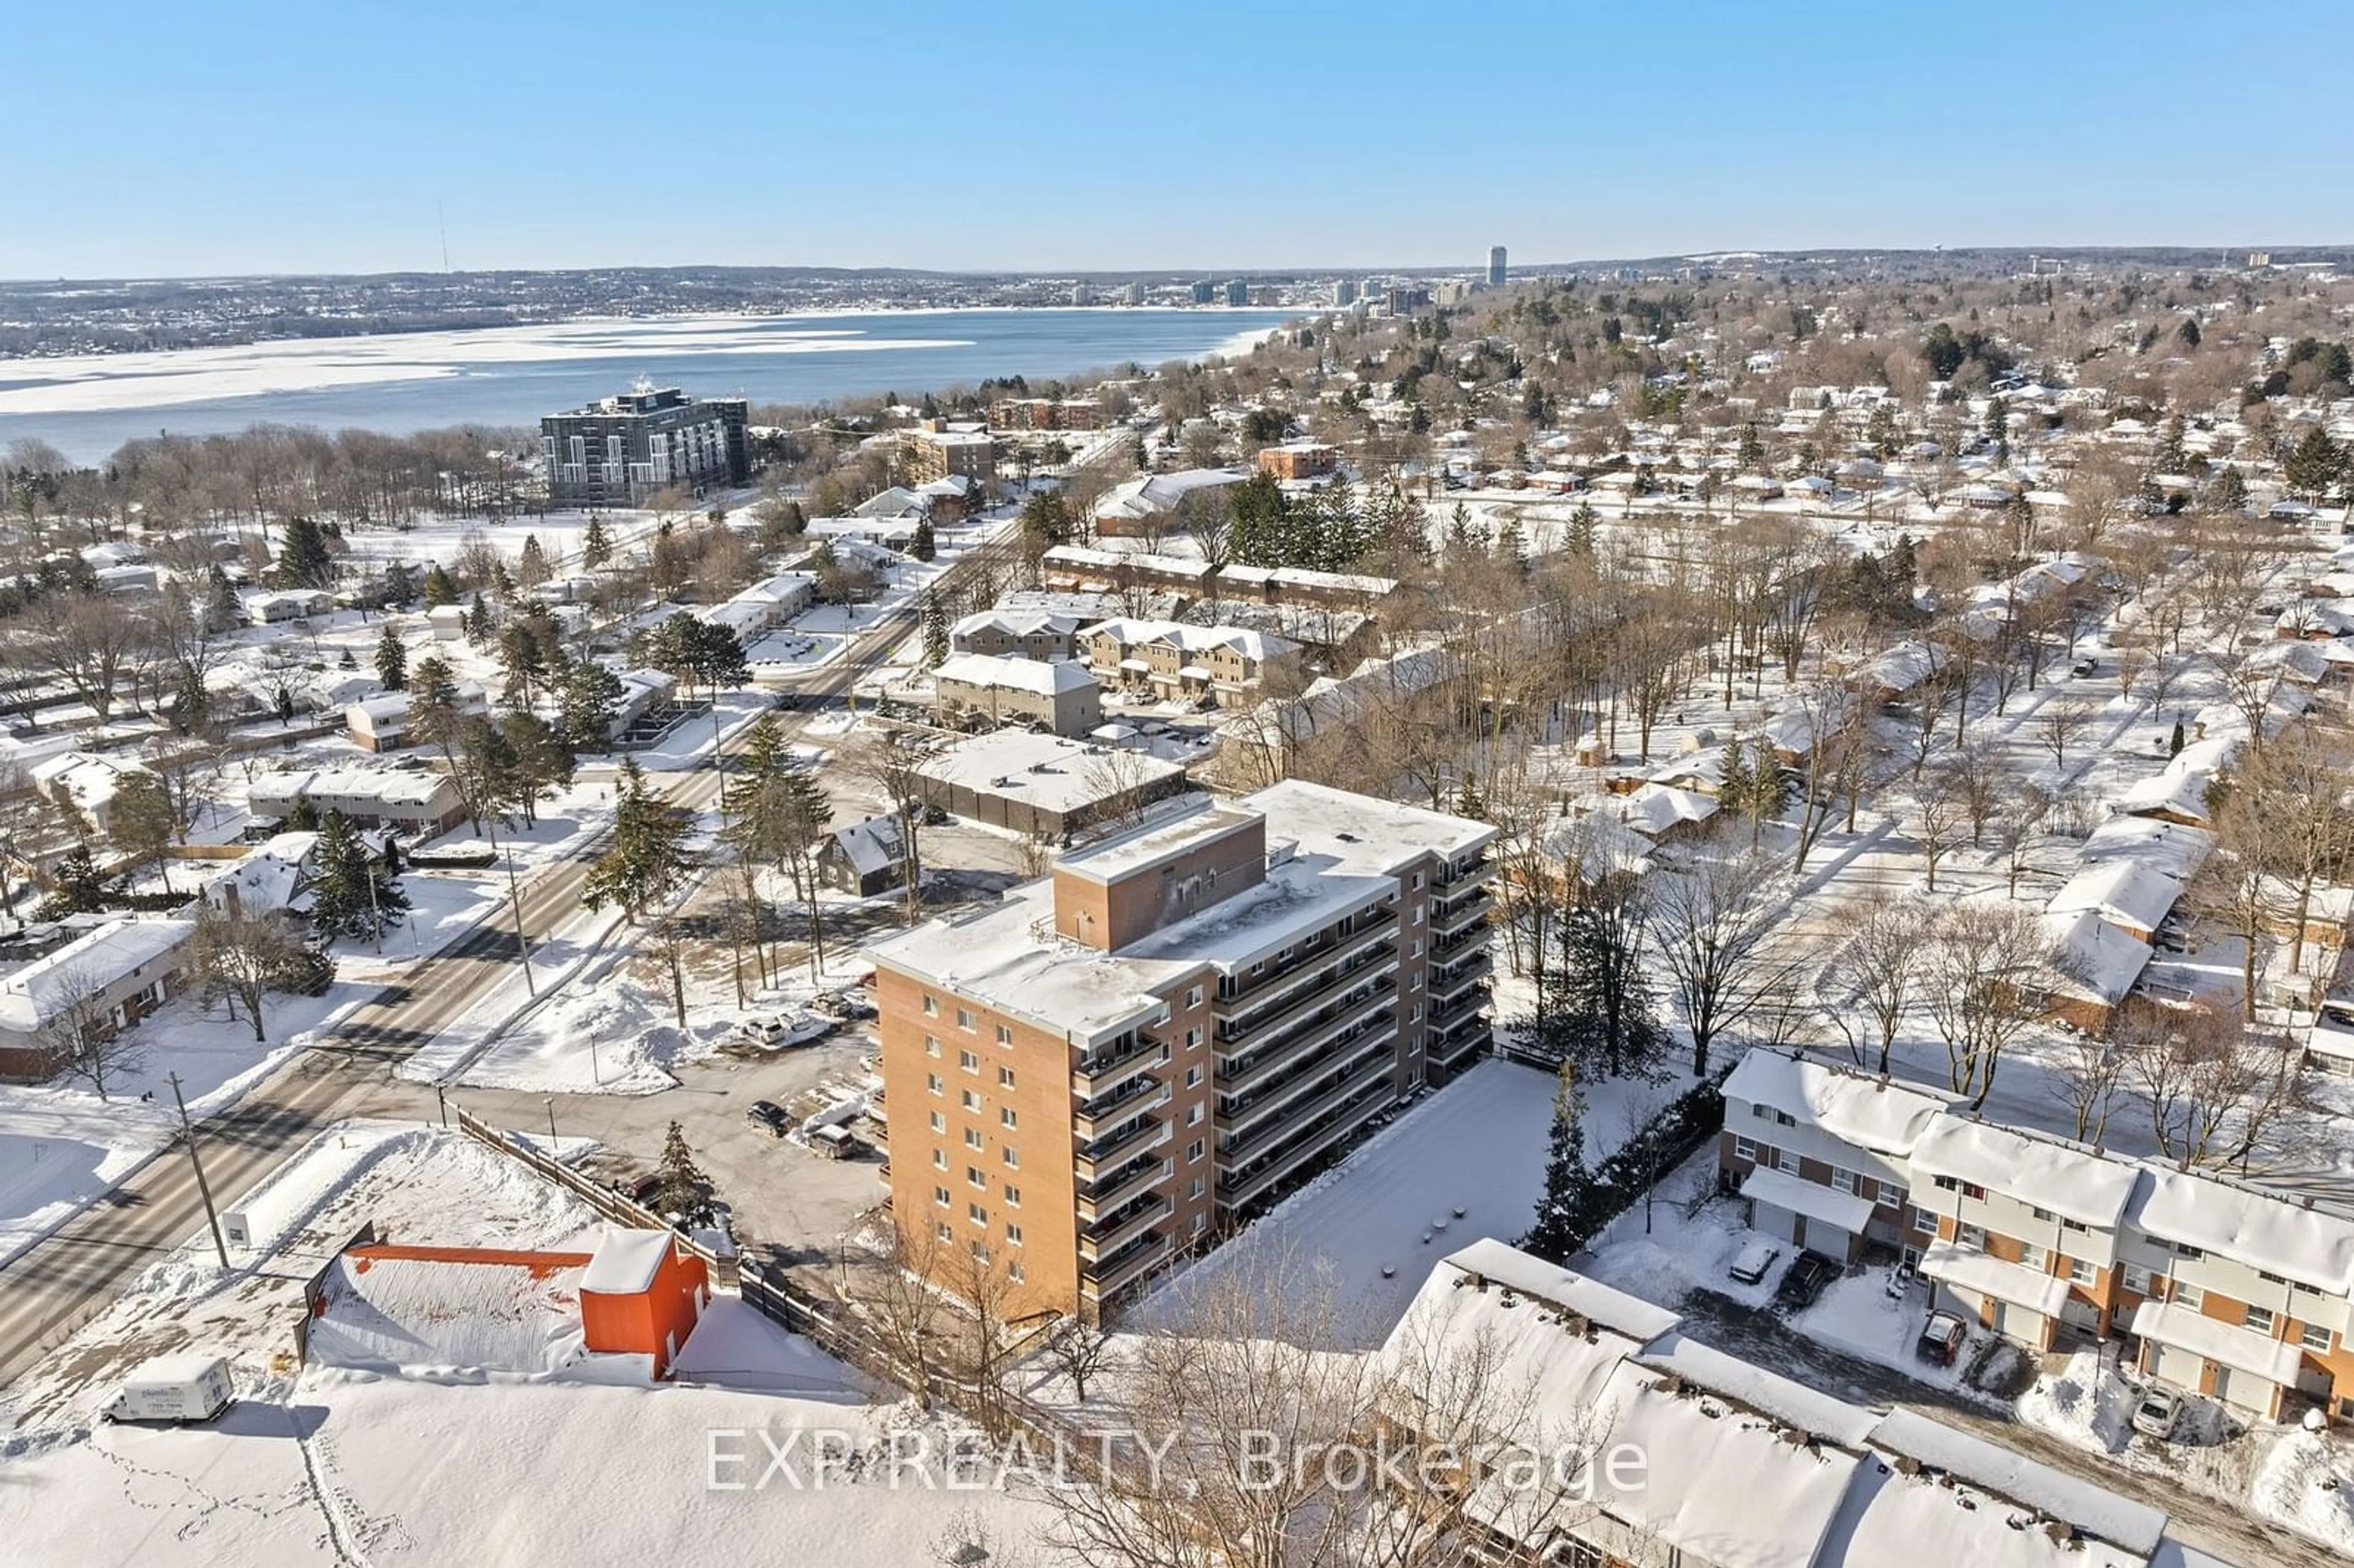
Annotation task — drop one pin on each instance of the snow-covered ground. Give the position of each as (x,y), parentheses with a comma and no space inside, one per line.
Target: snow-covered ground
(460,1463)
(61,1145)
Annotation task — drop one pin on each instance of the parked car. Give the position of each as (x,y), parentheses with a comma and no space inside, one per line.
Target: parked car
(1753,1262)
(1941,1339)
(770,1115)
(1808,1278)
(642,1188)
(2158,1412)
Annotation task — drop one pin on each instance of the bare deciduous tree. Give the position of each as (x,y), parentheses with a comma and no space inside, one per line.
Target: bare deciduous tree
(1713,923)
(77,1031)
(1869,982)
(1987,971)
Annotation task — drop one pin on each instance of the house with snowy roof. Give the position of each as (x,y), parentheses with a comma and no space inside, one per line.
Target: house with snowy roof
(1042,634)
(1820,1151)
(862,859)
(1170,661)
(1062,698)
(93,988)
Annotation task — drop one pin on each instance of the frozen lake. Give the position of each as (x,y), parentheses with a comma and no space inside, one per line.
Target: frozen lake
(88,406)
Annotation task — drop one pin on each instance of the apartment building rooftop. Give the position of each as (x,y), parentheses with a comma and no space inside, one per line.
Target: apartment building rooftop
(1360,832)
(2267,1231)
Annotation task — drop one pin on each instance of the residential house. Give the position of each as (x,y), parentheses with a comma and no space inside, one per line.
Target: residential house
(862,859)
(1169,661)
(83,784)
(381,723)
(93,988)
(1133,507)
(1299,459)
(276,606)
(1044,635)
(1820,1151)
(411,802)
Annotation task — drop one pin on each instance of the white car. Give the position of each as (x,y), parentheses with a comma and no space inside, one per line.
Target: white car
(2158,1412)
(1753,1262)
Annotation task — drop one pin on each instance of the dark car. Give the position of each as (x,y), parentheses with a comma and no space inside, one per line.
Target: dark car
(770,1115)
(642,1188)
(1804,1284)
(1941,1339)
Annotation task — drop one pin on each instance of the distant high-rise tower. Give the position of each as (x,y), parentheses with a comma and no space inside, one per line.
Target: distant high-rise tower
(1495,266)
(1237,292)
(1344,290)
(1205,292)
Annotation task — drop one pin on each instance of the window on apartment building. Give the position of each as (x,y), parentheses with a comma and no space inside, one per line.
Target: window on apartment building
(932,1082)
(969,1062)
(976,1213)
(2316,1336)
(1201,1185)
(2033,1257)
(981,1251)
(1418,949)
(1786,1160)
(1004,1077)
(2044,1214)
(2083,1271)
(932,1007)
(940,1122)
(2186,1294)
(1743,1149)
(1194,996)
(1786,1119)
(972,1137)
(2268,1275)
(1013,1271)
(1418,915)
(2193,1252)
(1193,1078)
(942,1196)
(1890,1195)
(1193,1039)
(1194,1151)
(1014,1236)
(2136,1278)
(2077,1226)
(1972,1190)
(1413,1013)
(1844,1181)
(974,1177)
(964,1018)
(2259,1320)
(1194,1113)
(1946,1183)
(1005,1116)
(1012,1196)
(1201,1224)
(931,1046)
(1973,1237)
(944,1230)
(1005,1034)
(939,1158)
(970,1098)
(1012,1160)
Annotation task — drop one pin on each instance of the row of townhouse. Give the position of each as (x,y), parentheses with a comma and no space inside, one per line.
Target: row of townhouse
(1665,1452)
(1169,661)
(2219,1287)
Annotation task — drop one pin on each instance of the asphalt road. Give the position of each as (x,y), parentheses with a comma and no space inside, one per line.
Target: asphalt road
(54,1287)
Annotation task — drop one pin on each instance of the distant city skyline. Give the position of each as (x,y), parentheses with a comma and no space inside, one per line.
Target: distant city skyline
(342,139)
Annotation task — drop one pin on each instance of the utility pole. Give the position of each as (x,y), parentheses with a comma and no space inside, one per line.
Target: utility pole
(204,1189)
(515,896)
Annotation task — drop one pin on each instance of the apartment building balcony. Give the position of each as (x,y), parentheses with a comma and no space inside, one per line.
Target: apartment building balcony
(874,1109)
(1448,982)
(1465,1018)
(1272,1008)
(1093,1118)
(1477,874)
(1119,1226)
(1097,1160)
(1133,1050)
(1451,1050)
(1448,916)
(1310,1030)
(1449,945)
(1238,1111)
(1242,1184)
(1320,952)
(1109,1191)
(1108,1276)
(1324,1084)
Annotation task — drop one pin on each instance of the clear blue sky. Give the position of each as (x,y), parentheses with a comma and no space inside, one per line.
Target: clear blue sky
(149,138)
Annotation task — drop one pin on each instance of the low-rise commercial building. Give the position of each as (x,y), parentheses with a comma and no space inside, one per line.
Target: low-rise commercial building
(1044,786)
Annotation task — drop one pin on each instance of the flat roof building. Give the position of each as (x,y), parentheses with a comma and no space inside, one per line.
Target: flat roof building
(1133,1054)
(620,451)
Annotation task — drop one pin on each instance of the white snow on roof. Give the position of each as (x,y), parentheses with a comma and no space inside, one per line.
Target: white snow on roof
(1046,770)
(1781,1189)
(1655,808)
(1185,639)
(39,991)
(2009,1475)
(626,1262)
(1630,1316)
(2188,1328)
(186,1367)
(2172,848)
(1360,832)
(1709,1469)
(2270,1233)
(2122,892)
(1869,1112)
(1042,677)
(2065,1178)
(1970,1269)
(2103,959)
(1768,1393)
(1015,623)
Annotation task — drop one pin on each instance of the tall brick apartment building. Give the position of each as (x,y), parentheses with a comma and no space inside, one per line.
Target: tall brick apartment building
(1124,1058)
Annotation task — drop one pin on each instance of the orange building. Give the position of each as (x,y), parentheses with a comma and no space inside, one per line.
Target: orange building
(642,1295)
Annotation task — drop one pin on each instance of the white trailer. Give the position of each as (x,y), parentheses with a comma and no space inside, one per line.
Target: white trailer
(177,1389)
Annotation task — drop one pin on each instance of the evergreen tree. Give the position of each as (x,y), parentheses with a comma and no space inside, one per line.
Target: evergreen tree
(397,587)
(141,822)
(478,620)
(1510,550)
(523,660)
(2229,490)
(1257,535)
(1583,525)
(304,560)
(2314,465)
(302,817)
(587,701)
(391,660)
(2173,454)
(538,762)
(1564,1212)
(646,859)
(924,546)
(596,549)
(1880,432)
(77,885)
(1595,1004)
(531,568)
(222,609)
(935,631)
(351,894)
(1753,449)
(682,1191)
(1468,802)
(440,588)
(502,581)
